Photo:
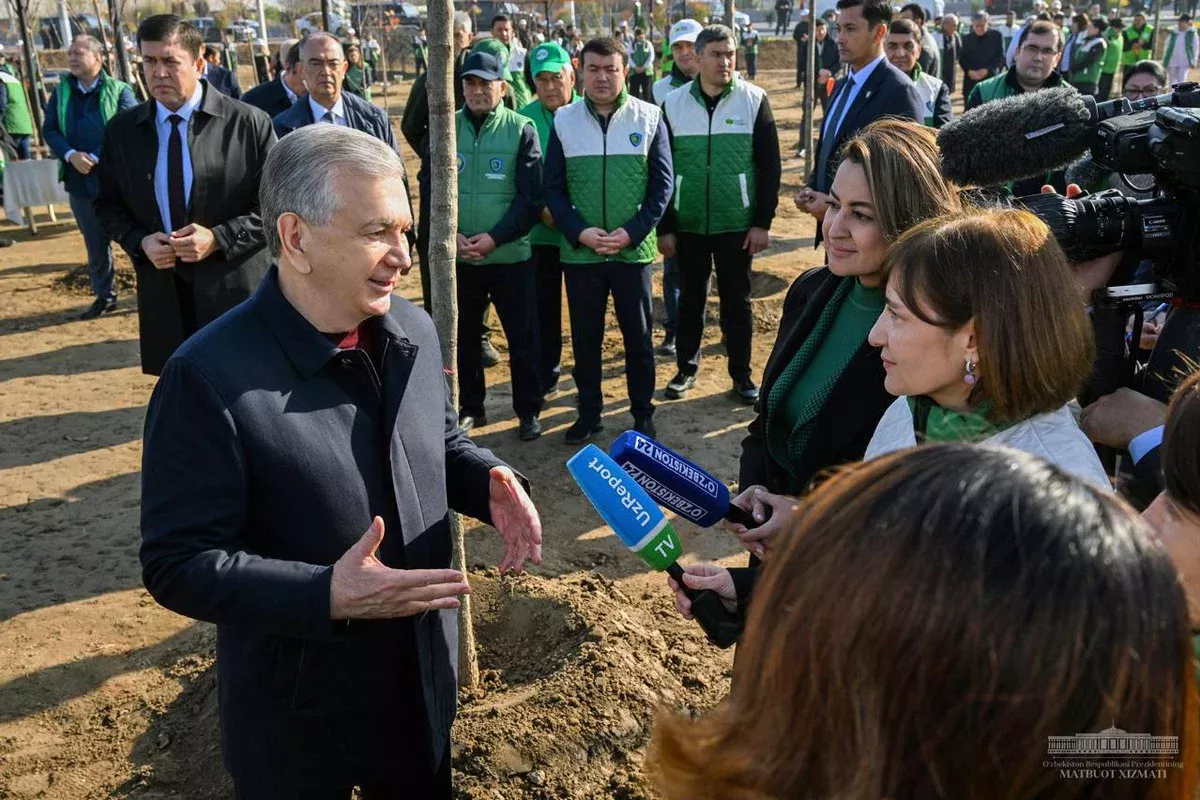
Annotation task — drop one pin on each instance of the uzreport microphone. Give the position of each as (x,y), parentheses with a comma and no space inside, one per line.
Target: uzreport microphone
(677,483)
(641,525)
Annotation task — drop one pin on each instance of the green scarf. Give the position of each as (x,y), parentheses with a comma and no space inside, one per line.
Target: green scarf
(932,423)
(797,438)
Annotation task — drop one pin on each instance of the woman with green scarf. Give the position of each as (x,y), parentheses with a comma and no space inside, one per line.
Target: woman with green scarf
(984,339)
(358,74)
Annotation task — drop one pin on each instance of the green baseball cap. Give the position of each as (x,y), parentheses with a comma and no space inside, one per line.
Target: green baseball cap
(548,57)
(495,47)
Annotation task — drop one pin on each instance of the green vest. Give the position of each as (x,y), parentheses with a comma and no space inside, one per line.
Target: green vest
(608,170)
(993,88)
(17,119)
(1189,44)
(750,43)
(521,96)
(487,178)
(713,157)
(1112,56)
(928,88)
(1092,73)
(1134,37)
(110,100)
(643,52)
(543,120)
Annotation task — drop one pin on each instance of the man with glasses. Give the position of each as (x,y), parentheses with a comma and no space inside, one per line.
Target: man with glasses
(1039,51)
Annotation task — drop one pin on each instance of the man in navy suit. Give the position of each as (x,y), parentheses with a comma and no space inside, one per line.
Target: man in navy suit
(873,89)
(222,79)
(277,95)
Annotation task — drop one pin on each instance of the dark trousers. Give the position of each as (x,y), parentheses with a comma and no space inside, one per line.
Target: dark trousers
(752,65)
(671,294)
(23,143)
(100,257)
(697,254)
(410,784)
(968,85)
(641,86)
(588,287)
(549,292)
(510,288)
(1104,90)
(426,279)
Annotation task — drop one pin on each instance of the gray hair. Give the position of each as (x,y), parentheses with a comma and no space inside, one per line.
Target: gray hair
(90,42)
(315,35)
(285,47)
(463,20)
(980,16)
(300,170)
(713,33)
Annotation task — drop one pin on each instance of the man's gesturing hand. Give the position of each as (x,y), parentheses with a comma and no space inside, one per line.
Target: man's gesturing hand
(363,588)
(193,243)
(157,247)
(515,517)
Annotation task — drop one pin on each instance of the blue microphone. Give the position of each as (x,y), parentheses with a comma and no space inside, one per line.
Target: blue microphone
(677,483)
(641,525)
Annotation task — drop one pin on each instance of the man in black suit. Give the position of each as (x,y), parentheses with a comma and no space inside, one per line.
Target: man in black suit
(873,89)
(300,457)
(223,80)
(179,192)
(277,95)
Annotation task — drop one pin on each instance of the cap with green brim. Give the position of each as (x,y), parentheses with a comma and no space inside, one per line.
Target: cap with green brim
(548,57)
(495,47)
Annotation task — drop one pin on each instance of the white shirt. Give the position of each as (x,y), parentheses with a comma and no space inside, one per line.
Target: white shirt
(855,82)
(161,124)
(319,111)
(291,96)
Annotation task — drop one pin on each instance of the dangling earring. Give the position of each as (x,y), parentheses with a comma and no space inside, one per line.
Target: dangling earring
(969,378)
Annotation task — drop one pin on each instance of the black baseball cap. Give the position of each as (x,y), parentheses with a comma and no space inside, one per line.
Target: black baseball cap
(483,65)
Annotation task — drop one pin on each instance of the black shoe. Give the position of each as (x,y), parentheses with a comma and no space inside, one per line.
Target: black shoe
(551,390)
(583,430)
(530,429)
(645,426)
(746,391)
(102,305)
(667,348)
(488,354)
(467,420)
(679,385)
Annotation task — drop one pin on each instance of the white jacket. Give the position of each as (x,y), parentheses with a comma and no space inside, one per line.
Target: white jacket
(1053,436)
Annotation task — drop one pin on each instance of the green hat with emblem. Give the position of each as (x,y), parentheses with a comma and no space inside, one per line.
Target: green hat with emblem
(495,47)
(548,57)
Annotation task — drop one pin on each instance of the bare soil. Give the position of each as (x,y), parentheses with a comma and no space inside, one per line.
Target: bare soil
(105,694)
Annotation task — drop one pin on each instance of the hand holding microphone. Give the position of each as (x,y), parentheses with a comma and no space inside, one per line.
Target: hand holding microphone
(772,514)
(698,577)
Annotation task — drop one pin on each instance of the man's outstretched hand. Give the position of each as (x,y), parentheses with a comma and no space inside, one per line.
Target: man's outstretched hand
(514,515)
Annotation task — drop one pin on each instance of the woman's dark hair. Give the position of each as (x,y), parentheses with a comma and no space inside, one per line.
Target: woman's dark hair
(1146,67)
(1003,270)
(927,623)
(1181,445)
(604,46)
(162,27)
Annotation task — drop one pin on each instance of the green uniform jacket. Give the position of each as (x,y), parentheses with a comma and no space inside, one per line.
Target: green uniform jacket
(1140,38)
(110,101)
(713,157)
(608,171)
(1116,46)
(1087,47)
(1189,43)
(487,178)
(543,120)
(642,55)
(17,119)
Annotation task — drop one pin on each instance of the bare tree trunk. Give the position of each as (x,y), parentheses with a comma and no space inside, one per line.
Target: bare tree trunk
(729,9)
(807,142)
(443,230)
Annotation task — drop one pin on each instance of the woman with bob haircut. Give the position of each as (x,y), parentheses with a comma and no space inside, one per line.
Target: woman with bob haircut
(984,339)
(930,620)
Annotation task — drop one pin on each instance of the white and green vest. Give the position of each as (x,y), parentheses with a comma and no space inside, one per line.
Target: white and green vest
(487,178)
(1189,47)
(928,88)
(608,170)
(713,157)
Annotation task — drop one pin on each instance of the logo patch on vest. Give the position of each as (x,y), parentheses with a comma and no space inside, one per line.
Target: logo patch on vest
(496,165)
(635,139)
(735,122)
(462,162)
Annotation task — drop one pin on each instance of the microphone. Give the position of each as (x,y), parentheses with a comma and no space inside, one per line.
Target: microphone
(677,483)
(644,529)
(1019,137)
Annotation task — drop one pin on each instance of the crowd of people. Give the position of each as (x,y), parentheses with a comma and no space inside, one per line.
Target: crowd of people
(941,574)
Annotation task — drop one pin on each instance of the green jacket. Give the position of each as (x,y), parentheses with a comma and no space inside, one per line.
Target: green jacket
(358,81)
(487,178)
(110,100)
(642,55)
(543,120)
(1189,44)
(17,119)
(1084,50)
(1138,42)
(608,171)
(713,157)
(1116,46)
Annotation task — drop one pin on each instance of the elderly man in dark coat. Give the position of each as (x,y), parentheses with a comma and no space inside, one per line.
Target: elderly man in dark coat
(179,192)
(315,411)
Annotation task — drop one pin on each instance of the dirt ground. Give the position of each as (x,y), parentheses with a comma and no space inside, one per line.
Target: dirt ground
(105,694)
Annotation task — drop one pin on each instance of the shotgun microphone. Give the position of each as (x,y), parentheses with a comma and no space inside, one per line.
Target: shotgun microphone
(677,483)
(644,529)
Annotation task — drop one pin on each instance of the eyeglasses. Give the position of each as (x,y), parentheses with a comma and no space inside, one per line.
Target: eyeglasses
(1033,50)
(1136,93)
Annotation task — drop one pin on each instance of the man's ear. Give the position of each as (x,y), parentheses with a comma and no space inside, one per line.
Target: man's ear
(295,238)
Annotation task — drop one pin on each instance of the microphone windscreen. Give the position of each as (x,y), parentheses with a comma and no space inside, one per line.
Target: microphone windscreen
(625,506)
(674,481)
(1016,137)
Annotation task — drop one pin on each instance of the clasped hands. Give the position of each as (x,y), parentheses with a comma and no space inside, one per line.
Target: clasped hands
(603,242)
(475,248)
(189,244)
